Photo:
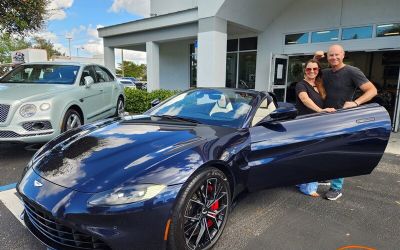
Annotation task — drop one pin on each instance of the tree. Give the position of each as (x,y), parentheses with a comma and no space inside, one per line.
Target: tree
(10,43)
(22,16)
(41,43)
(138,71)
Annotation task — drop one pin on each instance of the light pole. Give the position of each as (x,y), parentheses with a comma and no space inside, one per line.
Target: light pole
(77,50)
(69,37)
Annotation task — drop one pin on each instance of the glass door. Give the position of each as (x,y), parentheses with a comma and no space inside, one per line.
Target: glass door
(279,73)
(396,116)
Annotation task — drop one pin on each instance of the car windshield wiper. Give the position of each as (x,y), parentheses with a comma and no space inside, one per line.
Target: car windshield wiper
(180,118)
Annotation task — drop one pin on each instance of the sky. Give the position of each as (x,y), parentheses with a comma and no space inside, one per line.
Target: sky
(79,20)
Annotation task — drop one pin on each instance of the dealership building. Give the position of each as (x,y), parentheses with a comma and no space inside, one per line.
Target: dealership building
(261,44)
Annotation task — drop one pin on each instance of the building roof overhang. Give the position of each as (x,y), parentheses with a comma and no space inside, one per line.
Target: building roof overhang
(151,23)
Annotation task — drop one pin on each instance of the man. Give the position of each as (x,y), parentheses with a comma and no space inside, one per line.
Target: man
(341,82)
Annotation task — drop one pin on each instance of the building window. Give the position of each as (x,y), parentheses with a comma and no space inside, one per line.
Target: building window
(232,45)
(299,38)
(325,36)
(241,63)
(247,70)
(357,33)
(249,43)
(193,65)
(384,30)
(231,65)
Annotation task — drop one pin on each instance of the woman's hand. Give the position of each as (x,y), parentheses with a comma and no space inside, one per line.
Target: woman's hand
(329,110)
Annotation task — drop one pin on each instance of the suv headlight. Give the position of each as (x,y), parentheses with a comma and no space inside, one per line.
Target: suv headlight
(27,110)
(125,195)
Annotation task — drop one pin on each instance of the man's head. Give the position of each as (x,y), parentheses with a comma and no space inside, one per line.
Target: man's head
(336,56)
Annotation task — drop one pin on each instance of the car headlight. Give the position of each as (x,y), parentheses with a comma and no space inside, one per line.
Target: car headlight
(27,110)
(44,106)
(125,195)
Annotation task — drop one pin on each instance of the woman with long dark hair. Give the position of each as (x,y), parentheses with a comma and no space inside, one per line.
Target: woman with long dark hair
(310,95)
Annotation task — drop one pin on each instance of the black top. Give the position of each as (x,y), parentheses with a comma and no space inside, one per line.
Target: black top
(341,85)
(303,86)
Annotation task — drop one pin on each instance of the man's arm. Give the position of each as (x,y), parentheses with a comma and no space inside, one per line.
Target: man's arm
(369,92)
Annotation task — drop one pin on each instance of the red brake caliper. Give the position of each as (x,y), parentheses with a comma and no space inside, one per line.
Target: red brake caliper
(214,206)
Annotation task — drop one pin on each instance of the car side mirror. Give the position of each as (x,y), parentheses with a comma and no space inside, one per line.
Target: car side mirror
(155,102)
(88,81)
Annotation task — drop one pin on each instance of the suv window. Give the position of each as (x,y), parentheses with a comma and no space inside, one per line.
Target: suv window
(110,76)
(87,71)
(101,75)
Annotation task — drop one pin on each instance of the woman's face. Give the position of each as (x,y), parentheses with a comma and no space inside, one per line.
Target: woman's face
(312,70)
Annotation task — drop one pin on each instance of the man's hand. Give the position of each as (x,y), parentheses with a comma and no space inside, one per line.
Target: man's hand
(319,54)
(349,105)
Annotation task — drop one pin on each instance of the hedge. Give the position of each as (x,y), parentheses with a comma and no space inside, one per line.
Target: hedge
(139,101)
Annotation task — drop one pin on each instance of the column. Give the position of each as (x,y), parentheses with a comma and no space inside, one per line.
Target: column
(211,52)
(153,66)
(109,58)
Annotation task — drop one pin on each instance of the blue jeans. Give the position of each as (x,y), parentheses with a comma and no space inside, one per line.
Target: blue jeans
(308,188)
(337,184)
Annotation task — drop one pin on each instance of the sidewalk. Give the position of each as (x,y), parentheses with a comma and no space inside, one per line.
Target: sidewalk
(393,146)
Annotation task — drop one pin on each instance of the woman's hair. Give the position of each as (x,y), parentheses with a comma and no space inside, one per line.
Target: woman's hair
(318,79)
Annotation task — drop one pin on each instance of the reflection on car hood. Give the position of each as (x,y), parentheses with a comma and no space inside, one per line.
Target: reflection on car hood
(29,92)
(103,157)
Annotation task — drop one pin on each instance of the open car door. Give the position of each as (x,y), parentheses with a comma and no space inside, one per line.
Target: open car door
(319,146)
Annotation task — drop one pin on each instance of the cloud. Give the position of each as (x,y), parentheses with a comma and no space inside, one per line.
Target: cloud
(93,31)
(138,57)
(57,9)
(138,7)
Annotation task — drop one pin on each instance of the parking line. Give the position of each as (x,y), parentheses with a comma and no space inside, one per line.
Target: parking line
(7,187)
(10,199)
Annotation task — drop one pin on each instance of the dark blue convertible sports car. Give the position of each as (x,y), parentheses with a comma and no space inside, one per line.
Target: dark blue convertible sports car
(167,178)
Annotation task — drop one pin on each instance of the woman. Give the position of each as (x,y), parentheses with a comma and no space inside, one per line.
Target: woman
(310,95)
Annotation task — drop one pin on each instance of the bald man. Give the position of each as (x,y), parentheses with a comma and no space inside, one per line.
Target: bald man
(341,82)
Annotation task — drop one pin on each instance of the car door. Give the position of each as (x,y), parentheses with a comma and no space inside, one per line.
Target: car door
(317,147)
(92,97)
(106,80)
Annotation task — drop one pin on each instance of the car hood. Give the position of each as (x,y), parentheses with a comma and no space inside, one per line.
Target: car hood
(103,157)
(30,92)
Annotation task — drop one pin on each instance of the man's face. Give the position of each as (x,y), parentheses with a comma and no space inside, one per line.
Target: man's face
(335,56)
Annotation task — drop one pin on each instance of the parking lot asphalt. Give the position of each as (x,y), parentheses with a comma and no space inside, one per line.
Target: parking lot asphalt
(368,214)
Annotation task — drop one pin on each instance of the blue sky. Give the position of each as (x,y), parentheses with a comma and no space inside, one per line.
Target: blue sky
(80,18)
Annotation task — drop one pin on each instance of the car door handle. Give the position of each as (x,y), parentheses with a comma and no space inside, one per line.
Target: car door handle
(363,120)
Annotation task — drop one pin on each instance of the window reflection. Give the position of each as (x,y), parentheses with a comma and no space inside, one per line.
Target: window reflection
(325,36)
(357,33)
(299,38)
(392,29)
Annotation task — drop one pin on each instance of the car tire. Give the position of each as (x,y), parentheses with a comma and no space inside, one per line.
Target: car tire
(72,119)
(196,224)
(120,107)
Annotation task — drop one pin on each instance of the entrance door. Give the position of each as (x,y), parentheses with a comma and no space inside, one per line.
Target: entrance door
(279,73)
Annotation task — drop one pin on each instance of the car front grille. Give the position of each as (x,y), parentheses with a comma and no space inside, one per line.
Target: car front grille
(35,126)
(63,236)
(11,134)
(4,109)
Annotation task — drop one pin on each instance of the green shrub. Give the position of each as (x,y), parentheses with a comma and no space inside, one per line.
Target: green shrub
(139,101)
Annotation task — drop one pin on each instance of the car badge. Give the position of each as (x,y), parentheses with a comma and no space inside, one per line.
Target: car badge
(37,184)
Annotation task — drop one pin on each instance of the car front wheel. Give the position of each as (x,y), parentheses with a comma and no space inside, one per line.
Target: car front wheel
(72,119)
(201,211)
(120,107)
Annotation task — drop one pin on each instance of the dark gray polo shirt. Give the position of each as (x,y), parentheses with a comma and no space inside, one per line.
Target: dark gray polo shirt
(341,85)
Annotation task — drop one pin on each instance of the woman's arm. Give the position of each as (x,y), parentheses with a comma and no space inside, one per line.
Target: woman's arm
(306,100)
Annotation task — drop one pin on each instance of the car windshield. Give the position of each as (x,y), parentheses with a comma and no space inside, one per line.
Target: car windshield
(222,107)
(42,74)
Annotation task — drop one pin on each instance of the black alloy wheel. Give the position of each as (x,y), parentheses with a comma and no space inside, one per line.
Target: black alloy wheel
(201,211)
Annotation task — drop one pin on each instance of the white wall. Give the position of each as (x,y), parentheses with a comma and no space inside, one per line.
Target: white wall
(314,15)
(161,7)
(174,65)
